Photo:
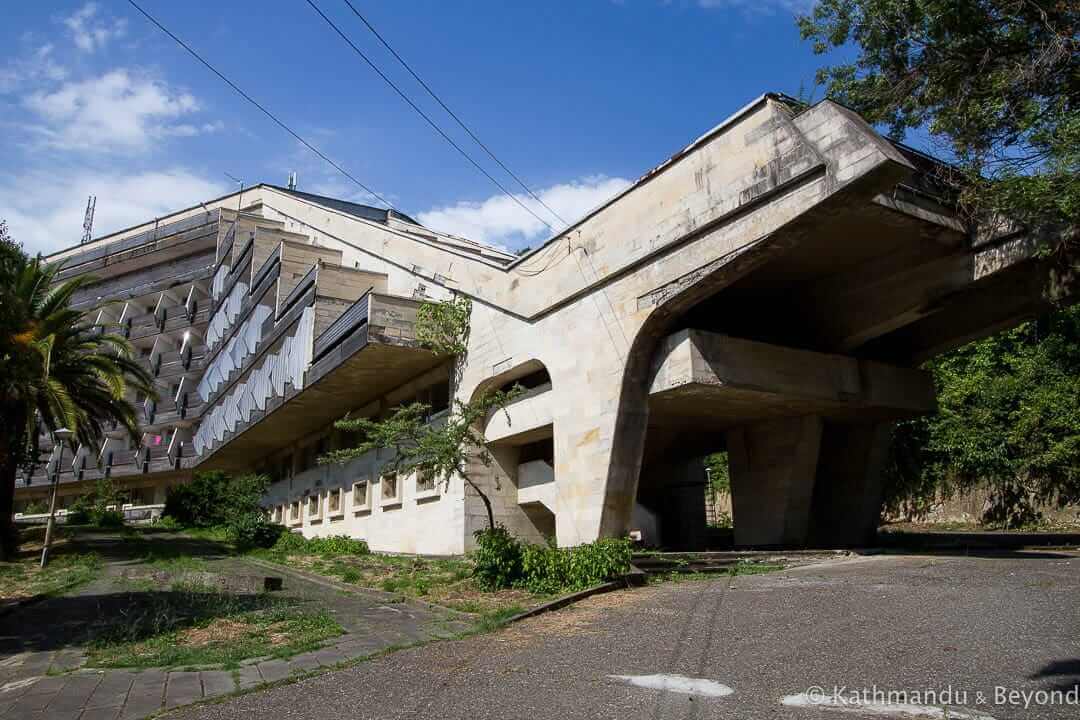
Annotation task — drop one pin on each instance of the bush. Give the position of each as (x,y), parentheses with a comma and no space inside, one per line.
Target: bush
(214,498)
(107,519)
(334,546)
(168,523)
(497,558)
(36,507)
(501,561)
(253,530)
(93,507)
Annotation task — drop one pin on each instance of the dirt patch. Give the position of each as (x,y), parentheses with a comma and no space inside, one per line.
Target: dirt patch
(222,630)
(276,634)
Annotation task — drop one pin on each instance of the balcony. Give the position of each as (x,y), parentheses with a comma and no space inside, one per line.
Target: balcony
(309,381)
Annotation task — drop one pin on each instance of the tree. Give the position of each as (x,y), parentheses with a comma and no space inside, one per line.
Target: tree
(442,449)
(451,445)
(56,369)
(1008,418)
(996,82)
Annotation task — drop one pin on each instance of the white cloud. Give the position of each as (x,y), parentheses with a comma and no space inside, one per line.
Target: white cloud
(115,111)
(39,66)
(501,221)
(44,209)
(90,31)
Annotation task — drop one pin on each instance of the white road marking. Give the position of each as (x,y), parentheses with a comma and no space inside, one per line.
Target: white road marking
(16,684)
(677,683)
(904,710)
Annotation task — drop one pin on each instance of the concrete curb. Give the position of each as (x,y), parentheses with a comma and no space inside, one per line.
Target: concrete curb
(561,602)
(387,597)
(557,603)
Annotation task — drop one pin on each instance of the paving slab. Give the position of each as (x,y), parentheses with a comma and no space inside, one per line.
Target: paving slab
(249,677)
(217,682)
(273,670)
(183,688)
(101,713)
(112,690)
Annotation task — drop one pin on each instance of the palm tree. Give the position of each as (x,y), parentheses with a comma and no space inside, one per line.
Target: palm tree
(56,370)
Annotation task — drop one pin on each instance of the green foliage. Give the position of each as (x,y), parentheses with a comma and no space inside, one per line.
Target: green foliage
(92,508)
(547,569)
(56,369)
(501,561)
(253,530)
(442,449)
(994,81)
(718,473)
(497,559)
(215,498)
(1008,418)
(36,507)
(166,522)
(444,326)
(329,547)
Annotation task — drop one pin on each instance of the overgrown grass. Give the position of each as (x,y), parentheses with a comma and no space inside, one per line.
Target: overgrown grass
(195,625)
(742,567)
(446,581)
(23,578)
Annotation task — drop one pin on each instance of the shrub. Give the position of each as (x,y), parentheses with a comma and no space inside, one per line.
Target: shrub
(107,519)
(334,546)
(502,561)
(36,507)
(253,530)
(214,498)
(92,508)
(497,558)
(168,523)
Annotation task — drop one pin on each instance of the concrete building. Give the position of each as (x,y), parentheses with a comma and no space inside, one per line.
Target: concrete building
(770,289)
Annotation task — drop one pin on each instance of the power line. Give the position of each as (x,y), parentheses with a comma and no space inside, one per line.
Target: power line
(264,111)
(451,113)
(426,117)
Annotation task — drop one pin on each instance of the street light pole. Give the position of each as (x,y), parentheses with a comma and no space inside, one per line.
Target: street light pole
(59,437)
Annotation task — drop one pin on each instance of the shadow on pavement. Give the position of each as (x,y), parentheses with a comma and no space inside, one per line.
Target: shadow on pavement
(1064,674)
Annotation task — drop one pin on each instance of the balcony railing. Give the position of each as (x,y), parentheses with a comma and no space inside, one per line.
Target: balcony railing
(353,317)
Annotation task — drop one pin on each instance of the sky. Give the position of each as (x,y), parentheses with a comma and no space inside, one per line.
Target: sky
(577,97)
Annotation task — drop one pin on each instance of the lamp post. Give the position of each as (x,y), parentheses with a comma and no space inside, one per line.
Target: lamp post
(59,437)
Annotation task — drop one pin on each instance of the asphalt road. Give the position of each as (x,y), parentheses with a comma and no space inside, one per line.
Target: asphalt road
(895,624)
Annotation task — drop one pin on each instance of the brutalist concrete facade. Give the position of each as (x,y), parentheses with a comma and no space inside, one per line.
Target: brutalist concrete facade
(770,289)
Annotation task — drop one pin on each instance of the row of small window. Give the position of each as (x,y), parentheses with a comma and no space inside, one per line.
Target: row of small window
(389,496)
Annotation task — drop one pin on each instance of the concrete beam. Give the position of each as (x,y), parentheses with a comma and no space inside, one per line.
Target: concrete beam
(720,381)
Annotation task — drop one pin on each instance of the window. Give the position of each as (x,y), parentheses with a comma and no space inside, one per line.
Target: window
(360,497)
(313,507)
(425,483)
(278,512)
(294,511)
(333,501)
(391,490)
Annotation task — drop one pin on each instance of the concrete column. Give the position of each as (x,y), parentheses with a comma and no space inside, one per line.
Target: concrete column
(773,465)
(850,485)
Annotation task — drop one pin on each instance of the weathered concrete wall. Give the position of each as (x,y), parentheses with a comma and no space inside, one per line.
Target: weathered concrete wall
(594,303)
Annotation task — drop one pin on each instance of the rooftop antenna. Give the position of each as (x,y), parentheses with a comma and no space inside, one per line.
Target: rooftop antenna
(88,220)
(240,197)
(292,180)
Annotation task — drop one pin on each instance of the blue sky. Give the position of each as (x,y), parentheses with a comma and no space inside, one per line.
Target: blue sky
(577,97)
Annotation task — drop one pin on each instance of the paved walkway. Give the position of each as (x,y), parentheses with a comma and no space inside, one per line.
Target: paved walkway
(737,648)
(42,656)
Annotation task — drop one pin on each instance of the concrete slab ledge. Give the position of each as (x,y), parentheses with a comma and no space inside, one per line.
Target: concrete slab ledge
(561,602)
